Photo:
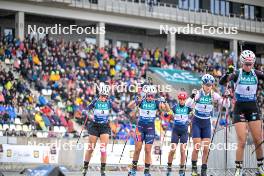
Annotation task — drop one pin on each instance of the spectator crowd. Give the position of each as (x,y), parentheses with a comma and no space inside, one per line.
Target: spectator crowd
(50,82)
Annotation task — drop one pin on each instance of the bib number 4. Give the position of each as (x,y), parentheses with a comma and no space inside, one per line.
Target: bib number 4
(248,88)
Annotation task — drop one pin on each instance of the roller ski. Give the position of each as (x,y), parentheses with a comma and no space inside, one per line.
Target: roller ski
(132,173)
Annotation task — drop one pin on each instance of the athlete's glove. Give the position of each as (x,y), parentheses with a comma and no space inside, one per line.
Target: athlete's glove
(121,113)
(227,93)
(162,99)
(194,92)
(230,70)
(188,122)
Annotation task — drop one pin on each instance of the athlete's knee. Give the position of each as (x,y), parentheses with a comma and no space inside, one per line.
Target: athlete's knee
(242,143)
(137,150)
(103,149)
(90,148)
(197,147)
(172,152)
(148,150)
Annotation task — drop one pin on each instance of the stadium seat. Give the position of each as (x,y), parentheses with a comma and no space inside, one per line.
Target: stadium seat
(17,121)
(56,129)
(26,128)
(1,127)
(7,61)
(45,134)
(62,129)
(39,134)
(18,128)
(12,127)
(5,127)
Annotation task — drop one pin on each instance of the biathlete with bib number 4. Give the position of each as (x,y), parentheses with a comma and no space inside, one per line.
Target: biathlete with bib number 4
(181,120)
(202,101)
(99,127)
(145,130)
(246,110)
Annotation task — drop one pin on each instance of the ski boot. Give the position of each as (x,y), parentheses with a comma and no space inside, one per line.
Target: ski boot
(181,173)
(169,173)
(132,172)
(147,174)
(203,172)
(239,172)
(103,173)
(194,172)
(84,171)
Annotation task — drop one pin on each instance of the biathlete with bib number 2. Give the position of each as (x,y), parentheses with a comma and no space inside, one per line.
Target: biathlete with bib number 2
(202,101)
(145,130)
(246,110)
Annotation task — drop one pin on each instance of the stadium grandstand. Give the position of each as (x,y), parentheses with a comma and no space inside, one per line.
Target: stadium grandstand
(47,76)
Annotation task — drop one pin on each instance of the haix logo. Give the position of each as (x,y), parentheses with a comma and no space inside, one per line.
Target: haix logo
(181,110)
(248,79)
(100,105)
(148,106)
(205,99)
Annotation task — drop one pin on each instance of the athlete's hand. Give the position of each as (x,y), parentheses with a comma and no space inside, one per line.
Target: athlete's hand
(121,112)
(227,93)
(230,70)
(188,122)
(194,92)
(162,99)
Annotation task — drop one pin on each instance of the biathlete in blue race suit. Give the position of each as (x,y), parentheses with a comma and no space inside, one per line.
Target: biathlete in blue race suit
(145,130)
(180,118)
(99,127)
(246,110)
(203,102)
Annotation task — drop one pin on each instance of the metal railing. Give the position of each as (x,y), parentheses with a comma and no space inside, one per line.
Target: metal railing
(217,158)
(166,12)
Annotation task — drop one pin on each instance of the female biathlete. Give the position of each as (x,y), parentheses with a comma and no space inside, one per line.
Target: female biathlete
(145,130)
(180,114)
(246,111)
(99,127)
(203,101)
